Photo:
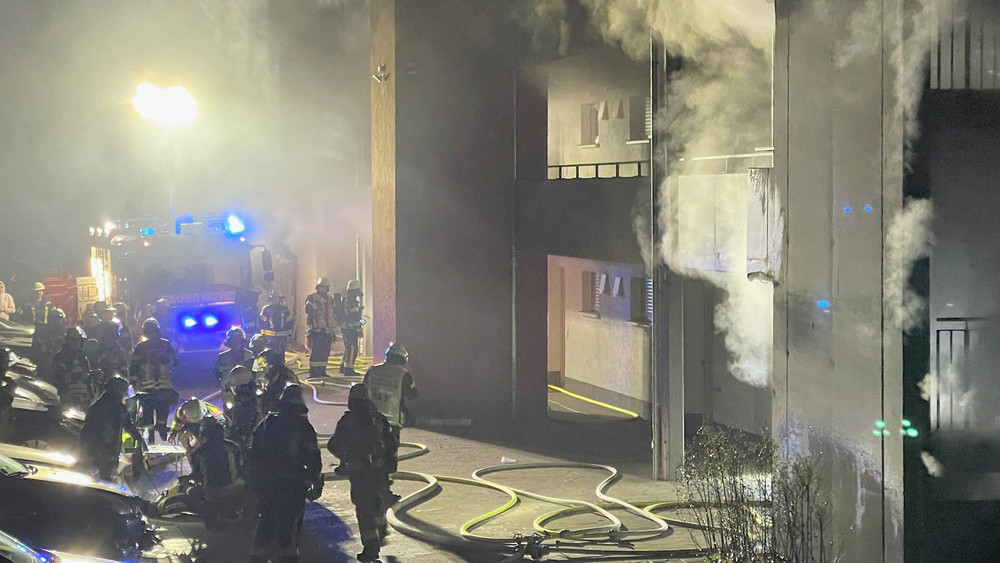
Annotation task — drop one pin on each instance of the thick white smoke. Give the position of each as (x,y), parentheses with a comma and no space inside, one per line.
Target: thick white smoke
(718,103)
(934,467)
(908,239)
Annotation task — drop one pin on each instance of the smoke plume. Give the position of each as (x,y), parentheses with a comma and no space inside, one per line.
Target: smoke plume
(908,239)
(718,103)
(934,467)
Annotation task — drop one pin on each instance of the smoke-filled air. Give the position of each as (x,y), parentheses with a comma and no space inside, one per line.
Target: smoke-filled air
(270,127)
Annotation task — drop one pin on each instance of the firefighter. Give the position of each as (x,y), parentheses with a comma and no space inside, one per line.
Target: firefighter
(275,376)
(217,467)
(101,436)
(351,325)
(258,343)
(241,402)
(321,321)
(149,372)
(7,387)
(71,371)
(390,386)
(125,336)
(285,471)
(49,338)
(37,313)
(108,333)
(187,421)
(277,322)
(366,448)
(236,355)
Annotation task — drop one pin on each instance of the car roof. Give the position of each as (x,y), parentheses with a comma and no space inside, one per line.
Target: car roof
(42,457)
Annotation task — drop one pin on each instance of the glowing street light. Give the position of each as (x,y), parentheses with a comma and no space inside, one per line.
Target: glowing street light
(168,107)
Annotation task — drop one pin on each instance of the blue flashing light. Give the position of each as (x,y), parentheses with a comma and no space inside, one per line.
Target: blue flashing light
(847,209)
(235,225)
(869,208)
(189,322)
(210,320)
(148,231)
(823,304)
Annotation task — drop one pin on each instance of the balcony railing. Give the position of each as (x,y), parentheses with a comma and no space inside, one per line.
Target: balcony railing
(954,339)
(600,170)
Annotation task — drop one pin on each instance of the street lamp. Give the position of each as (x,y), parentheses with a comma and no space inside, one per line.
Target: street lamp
(168,107)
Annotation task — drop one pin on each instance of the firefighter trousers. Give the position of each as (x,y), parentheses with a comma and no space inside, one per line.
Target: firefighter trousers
(319,350)
(368,488)
(279,525)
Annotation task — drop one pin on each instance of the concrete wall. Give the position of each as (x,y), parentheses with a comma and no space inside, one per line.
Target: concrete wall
(606,355)
(443,260)
(839,369)
(594,78)
(581,218)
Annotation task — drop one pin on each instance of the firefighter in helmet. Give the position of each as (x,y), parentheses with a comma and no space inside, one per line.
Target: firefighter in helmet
(101,435)
(108,333)
(390,386)
(48,340)
(71,371)
(275,376)
(241,390)
(351,325)
(321,321)
(149,373)
(285,472)
(277,322)
(367,450)
(187,421)
(236,355)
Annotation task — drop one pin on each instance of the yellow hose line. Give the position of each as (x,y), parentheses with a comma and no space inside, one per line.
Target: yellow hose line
(593,401)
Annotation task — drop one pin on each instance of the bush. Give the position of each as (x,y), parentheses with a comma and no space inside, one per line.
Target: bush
(754,505)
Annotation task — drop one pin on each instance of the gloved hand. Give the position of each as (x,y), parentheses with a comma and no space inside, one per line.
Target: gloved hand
(315,490)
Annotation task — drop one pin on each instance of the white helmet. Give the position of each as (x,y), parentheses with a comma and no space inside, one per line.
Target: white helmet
(397,349)
(323,281)
(193,411)
(240,375)
(354,284)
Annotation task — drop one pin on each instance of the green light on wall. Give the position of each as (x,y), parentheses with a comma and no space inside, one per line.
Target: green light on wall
(912,432)
(906,423)
(880,424)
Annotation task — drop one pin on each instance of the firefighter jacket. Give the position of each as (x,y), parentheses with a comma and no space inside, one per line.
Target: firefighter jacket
(277,320)
(277,378)
(108,334)
(150,365)
(101,435)
(285,453)
(230,359)
(40,309)
(352,310)
(217,463)
(363,441)
(319,312)
(389,386)
(71,370)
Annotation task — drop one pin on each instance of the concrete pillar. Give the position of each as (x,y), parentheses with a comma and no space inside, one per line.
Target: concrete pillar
(838,160)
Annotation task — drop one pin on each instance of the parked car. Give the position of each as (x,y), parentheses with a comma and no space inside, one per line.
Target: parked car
(16,336)
(33,456)
(61,510)
(13,550)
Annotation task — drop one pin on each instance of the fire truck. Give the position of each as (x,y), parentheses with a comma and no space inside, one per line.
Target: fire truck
(195,276)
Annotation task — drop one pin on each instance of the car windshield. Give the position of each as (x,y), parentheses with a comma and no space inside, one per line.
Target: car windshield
(11,468)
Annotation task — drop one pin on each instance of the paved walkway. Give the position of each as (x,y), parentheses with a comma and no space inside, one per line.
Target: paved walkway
(330,529)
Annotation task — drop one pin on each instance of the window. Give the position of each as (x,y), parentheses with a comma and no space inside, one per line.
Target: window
(591,292)
(640,118)
(641,300)
(588,125)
